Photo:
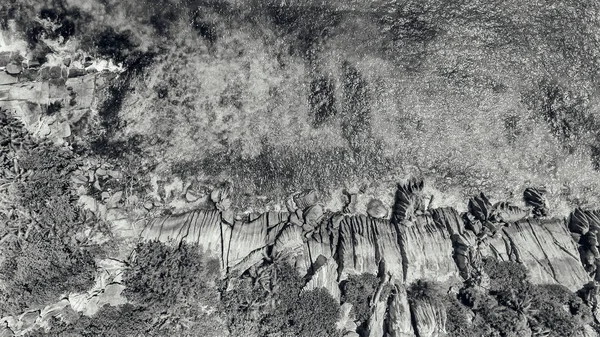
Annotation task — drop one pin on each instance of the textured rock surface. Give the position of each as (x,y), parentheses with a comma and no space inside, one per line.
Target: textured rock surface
(399,324)
(430,318)
(546,249)
(427,250)
(435,244)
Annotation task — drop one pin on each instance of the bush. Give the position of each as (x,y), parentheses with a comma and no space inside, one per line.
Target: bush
(423,291)
(271,302)
(314,314)
(359,290)
(505,275)
(38,273)
(163,275)
(560,310)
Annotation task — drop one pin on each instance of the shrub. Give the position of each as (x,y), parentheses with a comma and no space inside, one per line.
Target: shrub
(314,314)
(359,290)
(457,319)
(422,290)
(560,310)
(116,45)
(37,273)
(271,302)
(505,275)
(162,274)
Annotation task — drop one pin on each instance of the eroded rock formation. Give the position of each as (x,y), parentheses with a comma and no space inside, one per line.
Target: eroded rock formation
(417,243)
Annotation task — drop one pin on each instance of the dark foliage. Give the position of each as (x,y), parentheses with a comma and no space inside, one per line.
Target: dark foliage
(116,45)
(423,291)
(314,314)
(276,305)
(163,274)
(126,320)
(37,273)
(359,291)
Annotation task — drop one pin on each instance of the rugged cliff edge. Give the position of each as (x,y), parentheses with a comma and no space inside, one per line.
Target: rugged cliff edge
(433,244)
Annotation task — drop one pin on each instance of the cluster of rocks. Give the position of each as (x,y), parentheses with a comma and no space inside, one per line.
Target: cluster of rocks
(52,98)
(17,69)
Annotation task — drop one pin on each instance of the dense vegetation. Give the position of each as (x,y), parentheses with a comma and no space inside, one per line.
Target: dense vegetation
(274,303)
(511,305)
(41,258)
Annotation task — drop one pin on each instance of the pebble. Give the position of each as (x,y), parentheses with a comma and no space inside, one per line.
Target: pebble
(148,205)
(115,199)
(13,69)
(376,209)
(101,172)
(115,174)
(313,214)
(190,197)
(79,179)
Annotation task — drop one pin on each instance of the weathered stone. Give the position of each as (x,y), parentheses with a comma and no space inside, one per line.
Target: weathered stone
(28,319)
(6,332)
(114,199)
(13,69)
(448,217)
(427,251)
(430,318)
(190,197)
(76,72)
(480,207)
(408,199)
(306,199)
(377,320)
(33,63)
(546,249)
(115,174)
(7,79)
(357,251)
(55,72)
(228,216)
(581,221)
(224,204)
(399,323)
(376,209)
(325,277)
(350,203)
(79,179)
(345,317)
(313,214)
(535,197)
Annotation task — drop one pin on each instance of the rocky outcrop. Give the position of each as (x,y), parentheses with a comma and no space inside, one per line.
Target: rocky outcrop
(421,243)
(429,317)
(399,319)
(546,249)
(427,250)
